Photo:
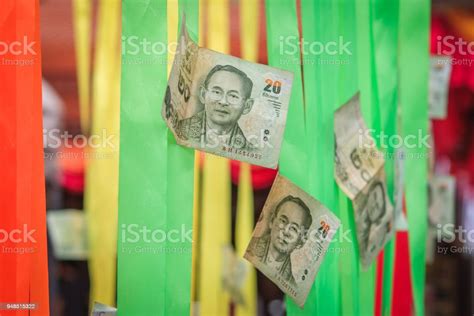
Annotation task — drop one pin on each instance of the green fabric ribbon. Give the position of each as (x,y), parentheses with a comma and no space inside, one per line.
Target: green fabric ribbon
(319,21)
(414,66)
(348,85)
(282,26)
(385,33)
(156,175)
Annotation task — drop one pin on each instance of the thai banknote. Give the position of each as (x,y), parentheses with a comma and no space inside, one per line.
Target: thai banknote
(67,229)
(359,172)
(374,218)
(226,106)
(291,238)
(357,158)
(440,74)
(441,202)
(234,273)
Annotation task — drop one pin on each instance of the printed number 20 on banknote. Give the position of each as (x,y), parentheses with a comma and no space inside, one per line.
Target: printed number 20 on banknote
(225,105)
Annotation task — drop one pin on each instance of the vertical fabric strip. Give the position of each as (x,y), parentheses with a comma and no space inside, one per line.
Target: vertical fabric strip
(385,33)
(82,36)
(249,10)
(101,190)
(22,198)
(282,23)
(216,191)
(319,24)
(143,167)
(180,188)
(348,84)
(243,230)
(414,65)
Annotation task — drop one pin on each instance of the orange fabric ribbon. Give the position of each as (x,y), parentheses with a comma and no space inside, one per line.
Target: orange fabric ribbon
(23,249)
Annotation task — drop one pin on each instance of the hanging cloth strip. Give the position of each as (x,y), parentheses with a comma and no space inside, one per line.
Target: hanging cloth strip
(101,183)
(414,66)
(82,15)
(216,189)
(156,176)
(23,256)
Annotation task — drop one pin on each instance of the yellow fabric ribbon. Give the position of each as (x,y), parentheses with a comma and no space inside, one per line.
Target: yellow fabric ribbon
(82,12)
(101,191)
(215,234)
(216,192)
(243,231)
(245,208)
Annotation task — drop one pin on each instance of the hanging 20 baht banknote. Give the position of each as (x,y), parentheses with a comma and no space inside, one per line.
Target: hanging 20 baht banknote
(359,172)
(291,238)
(226,106)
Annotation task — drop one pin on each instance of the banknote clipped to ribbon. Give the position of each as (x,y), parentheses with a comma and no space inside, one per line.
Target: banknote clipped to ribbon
(226,106)
(359,172)
(440,75)
(291,238)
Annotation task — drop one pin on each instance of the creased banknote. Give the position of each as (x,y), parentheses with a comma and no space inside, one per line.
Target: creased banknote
(359,172)
(440,74)
(374,218)
(291,238)
(357,158)
(234,273)
(68,232)
(226,106)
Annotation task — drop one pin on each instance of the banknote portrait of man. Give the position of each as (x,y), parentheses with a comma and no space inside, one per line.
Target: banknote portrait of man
(226,96)
(287,231)
(373,229)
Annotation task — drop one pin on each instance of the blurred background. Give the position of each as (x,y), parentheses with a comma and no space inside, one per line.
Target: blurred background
(450,276)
